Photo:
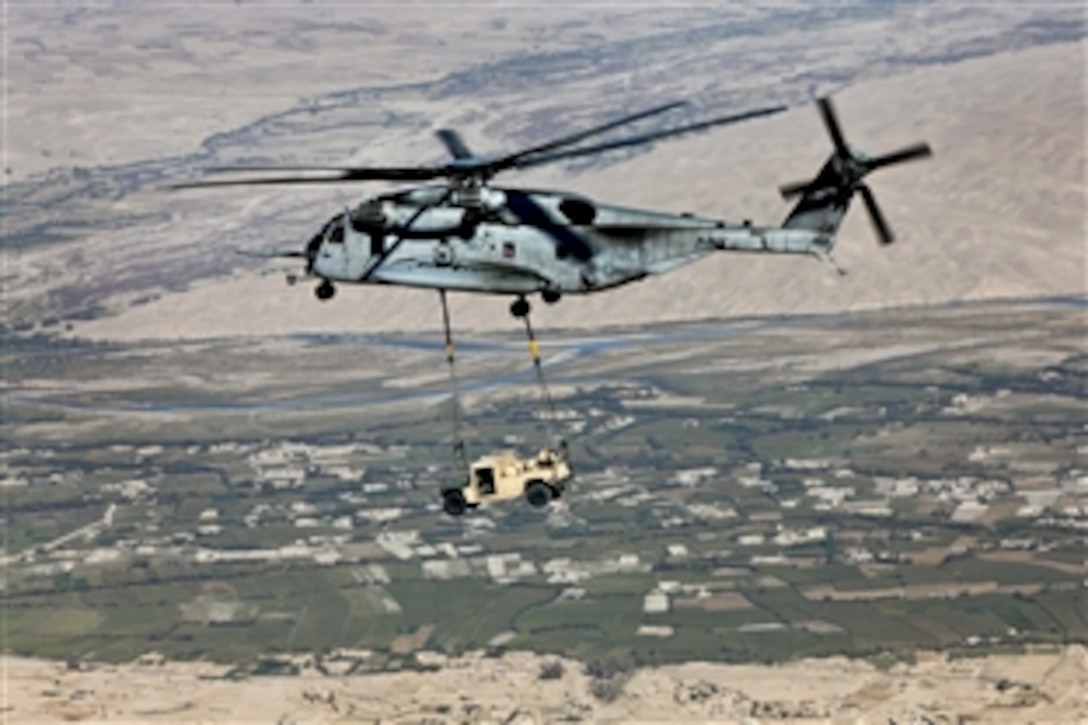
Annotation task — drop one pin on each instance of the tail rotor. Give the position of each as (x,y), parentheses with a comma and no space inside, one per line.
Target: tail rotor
(842,176)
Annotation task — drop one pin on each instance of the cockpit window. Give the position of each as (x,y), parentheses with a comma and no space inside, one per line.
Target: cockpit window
(336,232)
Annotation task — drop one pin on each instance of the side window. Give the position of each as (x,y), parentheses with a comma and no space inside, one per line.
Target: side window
(485,477)
(336,234)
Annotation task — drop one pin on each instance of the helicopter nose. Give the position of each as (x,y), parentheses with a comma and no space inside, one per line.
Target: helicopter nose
(311,252)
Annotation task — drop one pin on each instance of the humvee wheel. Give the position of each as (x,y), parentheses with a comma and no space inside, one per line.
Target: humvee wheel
(453,503)
(538,493)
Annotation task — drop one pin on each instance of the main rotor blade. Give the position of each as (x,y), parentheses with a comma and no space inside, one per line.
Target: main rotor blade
(831,120)
(915,151)
(883,231)
(261,254)
(511,159)
(646,138)
(276,167)
(379,173)
(454,143)
(341,176)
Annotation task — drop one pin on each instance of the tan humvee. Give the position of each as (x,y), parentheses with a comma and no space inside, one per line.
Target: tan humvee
(504,476)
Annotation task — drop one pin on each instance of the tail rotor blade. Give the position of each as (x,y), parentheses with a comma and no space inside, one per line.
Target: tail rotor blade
(831,120)
(795,189)
(880,224)
(910,153)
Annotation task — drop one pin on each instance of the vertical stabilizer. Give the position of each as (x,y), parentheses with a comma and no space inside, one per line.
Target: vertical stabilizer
(824,202)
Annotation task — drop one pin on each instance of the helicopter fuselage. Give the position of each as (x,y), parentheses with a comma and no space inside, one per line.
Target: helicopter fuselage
(469,236)
(519,242)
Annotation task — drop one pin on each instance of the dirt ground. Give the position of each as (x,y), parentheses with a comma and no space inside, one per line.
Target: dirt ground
(1030,688)
(997,213)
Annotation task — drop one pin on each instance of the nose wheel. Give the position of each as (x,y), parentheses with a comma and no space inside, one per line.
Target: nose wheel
(325,290)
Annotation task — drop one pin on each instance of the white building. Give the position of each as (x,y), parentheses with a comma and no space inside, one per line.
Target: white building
(655,602)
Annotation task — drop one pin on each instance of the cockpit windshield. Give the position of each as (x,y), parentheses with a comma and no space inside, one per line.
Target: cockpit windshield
(334,231)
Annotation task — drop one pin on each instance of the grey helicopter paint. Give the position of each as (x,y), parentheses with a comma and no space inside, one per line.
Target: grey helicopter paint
(505,256)
(467,235)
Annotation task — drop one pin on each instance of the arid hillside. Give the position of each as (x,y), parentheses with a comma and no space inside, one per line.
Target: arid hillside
(97,128)
(1035,688)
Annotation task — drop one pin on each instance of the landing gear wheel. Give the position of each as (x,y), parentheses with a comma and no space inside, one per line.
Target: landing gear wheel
(453,503)
(538,493)
(519,307)
(325,290)
(550,296)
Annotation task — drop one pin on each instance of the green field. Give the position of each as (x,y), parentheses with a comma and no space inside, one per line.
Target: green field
(139,584)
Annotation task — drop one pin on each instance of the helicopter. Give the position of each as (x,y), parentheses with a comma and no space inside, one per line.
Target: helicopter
(468,235)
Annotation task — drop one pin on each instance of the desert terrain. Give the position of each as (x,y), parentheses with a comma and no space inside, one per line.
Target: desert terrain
(97,128)
(801,496)
(1045,687)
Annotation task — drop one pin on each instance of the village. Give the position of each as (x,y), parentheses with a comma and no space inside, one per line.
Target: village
(374,515)
(806,506)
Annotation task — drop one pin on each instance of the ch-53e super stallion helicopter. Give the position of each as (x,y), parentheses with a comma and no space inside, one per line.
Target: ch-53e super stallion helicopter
(467,235)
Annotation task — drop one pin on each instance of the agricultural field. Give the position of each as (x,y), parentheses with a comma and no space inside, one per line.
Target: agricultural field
(753,490)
